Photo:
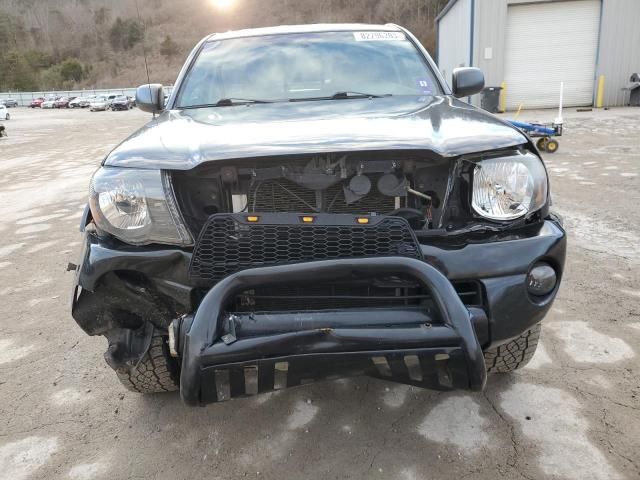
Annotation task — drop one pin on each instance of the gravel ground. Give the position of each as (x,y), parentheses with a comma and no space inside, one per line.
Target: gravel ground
(573,413)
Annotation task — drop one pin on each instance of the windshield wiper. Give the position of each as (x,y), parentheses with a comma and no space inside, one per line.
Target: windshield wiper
(348,94)
(228,102)
(344,95)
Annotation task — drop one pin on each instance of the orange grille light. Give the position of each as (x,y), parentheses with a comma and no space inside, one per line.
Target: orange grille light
(363,220)
(253,218)
(308,219)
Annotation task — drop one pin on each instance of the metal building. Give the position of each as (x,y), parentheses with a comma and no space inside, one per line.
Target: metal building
(530,46)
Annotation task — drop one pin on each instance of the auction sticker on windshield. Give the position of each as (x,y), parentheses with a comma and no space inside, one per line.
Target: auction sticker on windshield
(376,36)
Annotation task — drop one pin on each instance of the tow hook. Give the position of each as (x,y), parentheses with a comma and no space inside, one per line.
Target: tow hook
(173,350)
(177,330)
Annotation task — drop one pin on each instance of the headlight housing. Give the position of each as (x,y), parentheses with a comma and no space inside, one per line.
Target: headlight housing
(137,206)
(506,188)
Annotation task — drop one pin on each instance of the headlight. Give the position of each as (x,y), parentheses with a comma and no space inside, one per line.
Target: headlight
(505,188)
(137,206)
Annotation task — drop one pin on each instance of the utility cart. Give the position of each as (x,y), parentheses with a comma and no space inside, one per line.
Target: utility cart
(544,132)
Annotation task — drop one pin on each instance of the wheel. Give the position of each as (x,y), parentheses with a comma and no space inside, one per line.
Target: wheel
(514,354)
(542,144)
(157,372)
(552,146)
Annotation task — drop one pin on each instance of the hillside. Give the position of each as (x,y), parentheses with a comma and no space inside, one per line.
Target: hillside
(48,44)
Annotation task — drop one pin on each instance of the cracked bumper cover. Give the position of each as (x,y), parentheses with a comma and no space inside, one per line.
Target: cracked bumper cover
(500,266)
(402,347)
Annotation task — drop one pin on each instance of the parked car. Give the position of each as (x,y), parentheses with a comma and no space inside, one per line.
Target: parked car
(4,113)
(99,104)
(121,103)
(62,102)
(9,102)
(48,103)
(346,215)
(37,102)
(80,102)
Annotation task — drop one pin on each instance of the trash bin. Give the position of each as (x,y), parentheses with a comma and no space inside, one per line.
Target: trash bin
(490,99)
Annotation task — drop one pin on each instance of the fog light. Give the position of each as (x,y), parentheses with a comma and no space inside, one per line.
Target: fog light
(541,279)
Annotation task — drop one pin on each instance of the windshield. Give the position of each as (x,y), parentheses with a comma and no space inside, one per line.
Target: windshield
(307,66)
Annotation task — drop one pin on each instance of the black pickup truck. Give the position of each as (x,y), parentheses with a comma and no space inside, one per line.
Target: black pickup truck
(315,202)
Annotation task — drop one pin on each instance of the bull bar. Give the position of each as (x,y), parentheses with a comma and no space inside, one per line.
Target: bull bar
(435,349)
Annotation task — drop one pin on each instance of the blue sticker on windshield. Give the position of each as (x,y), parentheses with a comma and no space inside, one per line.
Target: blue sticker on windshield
(423,86)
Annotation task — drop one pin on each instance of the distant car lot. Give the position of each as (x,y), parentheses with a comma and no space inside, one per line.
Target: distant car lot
(106,102)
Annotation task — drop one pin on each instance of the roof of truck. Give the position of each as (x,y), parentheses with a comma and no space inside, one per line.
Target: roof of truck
(313,28)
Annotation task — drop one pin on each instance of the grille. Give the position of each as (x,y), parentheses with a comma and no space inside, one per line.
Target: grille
(339,296)
(227,246)
(317,297)
(283,195)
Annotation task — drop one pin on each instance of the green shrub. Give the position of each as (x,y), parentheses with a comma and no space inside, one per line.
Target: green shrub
(125,34)
(169,48)
(71,70)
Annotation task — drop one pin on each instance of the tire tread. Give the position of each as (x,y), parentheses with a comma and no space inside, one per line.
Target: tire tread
(155,373)
(514,354)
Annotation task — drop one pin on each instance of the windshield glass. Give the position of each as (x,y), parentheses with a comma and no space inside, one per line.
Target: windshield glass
(306,66)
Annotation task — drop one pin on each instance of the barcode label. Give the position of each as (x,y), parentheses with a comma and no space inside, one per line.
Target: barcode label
(378,36)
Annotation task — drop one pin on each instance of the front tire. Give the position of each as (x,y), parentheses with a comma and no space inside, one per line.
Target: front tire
(514,354)
(157,372)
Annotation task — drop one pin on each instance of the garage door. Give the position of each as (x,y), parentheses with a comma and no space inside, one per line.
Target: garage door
(549,43)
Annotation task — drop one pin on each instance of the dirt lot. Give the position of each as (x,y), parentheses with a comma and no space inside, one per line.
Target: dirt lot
(573,413)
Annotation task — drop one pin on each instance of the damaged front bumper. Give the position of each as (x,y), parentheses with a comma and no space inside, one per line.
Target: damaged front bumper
(125,293)
(225,356)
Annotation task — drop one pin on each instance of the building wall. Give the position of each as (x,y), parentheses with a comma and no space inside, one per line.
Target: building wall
(490,26)
(454,35)
(618,55)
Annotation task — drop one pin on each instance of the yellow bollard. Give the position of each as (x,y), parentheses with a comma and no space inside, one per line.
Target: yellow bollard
(515,117)
(600,95)
(502,103)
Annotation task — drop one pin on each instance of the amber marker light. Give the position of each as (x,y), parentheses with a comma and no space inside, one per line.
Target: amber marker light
(362,220)
(253,218)
(308,219)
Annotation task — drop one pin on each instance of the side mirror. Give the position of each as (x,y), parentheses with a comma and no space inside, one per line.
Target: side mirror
(150,97)
(466,81)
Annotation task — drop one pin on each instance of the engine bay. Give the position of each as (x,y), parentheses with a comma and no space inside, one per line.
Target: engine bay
(367,183)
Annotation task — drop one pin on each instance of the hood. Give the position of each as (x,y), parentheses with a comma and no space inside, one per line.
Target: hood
(183,139)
